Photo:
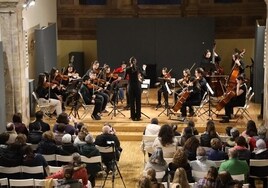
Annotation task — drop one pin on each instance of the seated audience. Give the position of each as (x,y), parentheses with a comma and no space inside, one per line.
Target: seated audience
(19,126)
(59,133)
(32,159)
(67,147)
(192,125)
(152,176)
(68,181)
(35,134)
(250,131)
(179,161)
(262,131)
(79,170)
(39,121)
(233,163)
(242,150)
(230,142)
(156,161)
(10,129)
(144,182)
(180,179)
(215,153)
(80,139)
(151,129)
(201,163)
(209,134)
(260,152)
(64,118)
(210,180)
(186,134)
(190,147)
(89,150)
(166,141)
(47,145)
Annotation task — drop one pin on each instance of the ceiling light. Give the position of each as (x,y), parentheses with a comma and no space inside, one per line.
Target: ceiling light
(28,3)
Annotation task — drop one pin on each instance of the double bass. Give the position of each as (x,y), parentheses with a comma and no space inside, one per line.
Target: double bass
(230,86)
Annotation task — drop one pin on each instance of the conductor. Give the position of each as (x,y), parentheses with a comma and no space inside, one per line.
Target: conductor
(134,89)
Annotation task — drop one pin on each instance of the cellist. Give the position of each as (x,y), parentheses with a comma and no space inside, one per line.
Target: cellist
(183,82)
(194,97)
(238,100)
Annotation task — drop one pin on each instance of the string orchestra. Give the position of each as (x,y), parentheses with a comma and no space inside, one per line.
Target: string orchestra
(102,85)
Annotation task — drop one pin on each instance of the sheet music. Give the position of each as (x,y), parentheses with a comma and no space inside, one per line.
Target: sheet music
(168,89)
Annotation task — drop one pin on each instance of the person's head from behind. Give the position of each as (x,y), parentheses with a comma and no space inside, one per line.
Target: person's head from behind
(17,118)
(262,132)
(215,143)
(225,178)
(10,126)
(180,177)
(4,138)
(89,139)
(48,136)
(211,130)
(63,118)
(68,172)
(191,144)
(251,128)
(151,174)
(154,121)
(232,153)
(76,159)
(188,132)
(166,134)
(39,115)
(234,133)
(241,141)
(36,127)
(144,182)
(21,139)
(200,151)
(61,128)
(212,174)
(157,157)
(228,130)
(106,129)
(191,123)
(180,157)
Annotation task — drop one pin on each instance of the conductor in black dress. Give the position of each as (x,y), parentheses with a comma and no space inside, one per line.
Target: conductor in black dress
(134,89)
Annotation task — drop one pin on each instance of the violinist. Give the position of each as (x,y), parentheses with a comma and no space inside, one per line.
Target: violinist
(90,98)
(164,78)
(193,99)
(71,73)
(43,92)
(199,74)
(183,82)
(99,93)
(238,100)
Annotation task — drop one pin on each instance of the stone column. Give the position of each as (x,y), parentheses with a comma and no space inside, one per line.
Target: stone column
(16,81)
(265,65)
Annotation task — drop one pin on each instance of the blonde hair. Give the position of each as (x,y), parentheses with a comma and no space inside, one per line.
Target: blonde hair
(181,178)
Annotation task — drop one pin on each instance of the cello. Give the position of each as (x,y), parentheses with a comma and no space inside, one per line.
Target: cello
(184,96)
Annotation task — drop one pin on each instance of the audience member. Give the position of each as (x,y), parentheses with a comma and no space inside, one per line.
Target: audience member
(144,182)
(250,131)
(79,170)
(68,180)
(166,141)
(180,178)
(89,150)
(230,142)
(190,147)
(10,129)
(210,180)
(151,129)
(60,132)
(262,131)
(39,121)
(179,161)
(186,134)
(47,145)
(215,153)
(228,130)
(234,166)
(260,152)
(192,125)
(242,150)
(156,161)
(64,118)
(201,163)
(67,147)
(19,126)
(32,159)
(3,141)
(175,131)
(35,134)
(152,176)
(80,139)
(225,180)
(209,134)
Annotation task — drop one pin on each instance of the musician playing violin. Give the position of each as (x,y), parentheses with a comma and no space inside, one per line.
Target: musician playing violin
(183,82)
(99,93)
(89,97)
(238,100)
(194,98)
(199,74)
(164,78)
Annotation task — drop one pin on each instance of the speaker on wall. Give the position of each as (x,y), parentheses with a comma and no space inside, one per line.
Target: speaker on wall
(78,62)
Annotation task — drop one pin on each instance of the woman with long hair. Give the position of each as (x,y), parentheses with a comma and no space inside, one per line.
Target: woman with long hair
(209,134)
(210,180)
(180,178)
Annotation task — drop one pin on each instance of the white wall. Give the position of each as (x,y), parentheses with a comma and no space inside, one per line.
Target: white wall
(42,13)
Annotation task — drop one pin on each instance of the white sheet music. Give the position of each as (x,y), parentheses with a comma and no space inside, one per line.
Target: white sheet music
(168,89)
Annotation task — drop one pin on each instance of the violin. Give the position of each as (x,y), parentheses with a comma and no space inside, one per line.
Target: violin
(93,86)
(99,81)
(61,77)
(112,75)
(49,84)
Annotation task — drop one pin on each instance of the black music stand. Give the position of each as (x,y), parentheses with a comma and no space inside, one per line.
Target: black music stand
(115,88)
(209,111)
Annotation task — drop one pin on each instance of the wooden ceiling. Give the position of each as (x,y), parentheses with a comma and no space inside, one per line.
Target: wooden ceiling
(232,20)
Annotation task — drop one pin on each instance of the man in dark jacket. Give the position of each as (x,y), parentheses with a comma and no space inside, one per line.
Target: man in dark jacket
(39,121)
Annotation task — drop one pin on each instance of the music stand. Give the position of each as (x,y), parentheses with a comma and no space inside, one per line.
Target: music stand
(115,88)
(209,110)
